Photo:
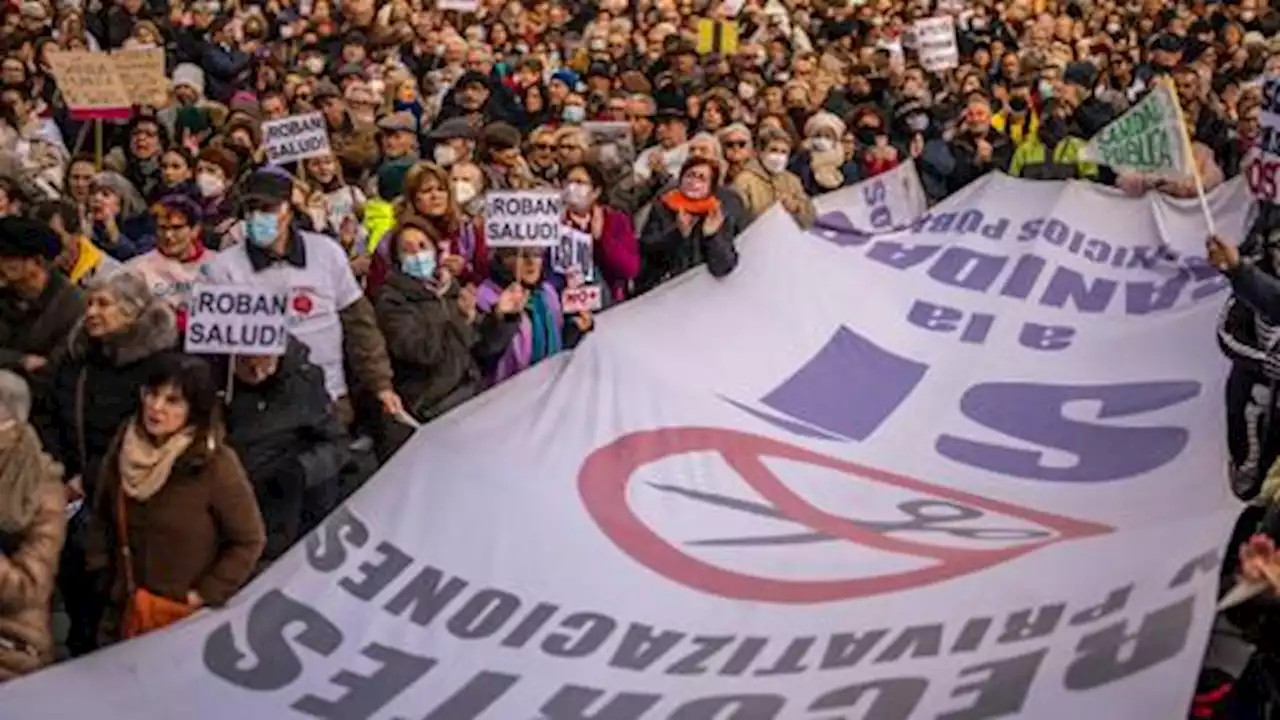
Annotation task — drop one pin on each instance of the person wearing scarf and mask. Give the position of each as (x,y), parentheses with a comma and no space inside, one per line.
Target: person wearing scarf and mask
(216,169)
(615,252)
(1052,153)
(437,340)
(821,164)
(689,226)
(469,185)
(33,525)
(174,515)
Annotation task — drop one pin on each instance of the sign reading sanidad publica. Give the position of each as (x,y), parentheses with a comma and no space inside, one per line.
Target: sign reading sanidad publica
(237,320)
(294,138)
(522,218)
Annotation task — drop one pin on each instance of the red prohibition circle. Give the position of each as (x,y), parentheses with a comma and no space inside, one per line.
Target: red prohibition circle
(607,472)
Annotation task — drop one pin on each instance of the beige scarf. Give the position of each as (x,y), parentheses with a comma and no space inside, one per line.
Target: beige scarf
(24,466)
(145,466)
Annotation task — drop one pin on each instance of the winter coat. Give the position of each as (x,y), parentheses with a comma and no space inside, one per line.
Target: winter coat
(802,167)
(615,249)
(934,167)
(201,531)
(665,252)
(968,167)
(40,326)
(27,572)
(291,444)
(761,189)
(95,388)
(435,352)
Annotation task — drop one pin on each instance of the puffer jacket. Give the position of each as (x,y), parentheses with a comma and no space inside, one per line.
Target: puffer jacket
(27,572)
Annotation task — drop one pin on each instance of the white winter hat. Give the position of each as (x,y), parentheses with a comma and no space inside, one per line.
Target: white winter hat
(190,75)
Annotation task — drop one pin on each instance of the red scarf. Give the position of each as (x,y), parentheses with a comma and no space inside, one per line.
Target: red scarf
(676,200)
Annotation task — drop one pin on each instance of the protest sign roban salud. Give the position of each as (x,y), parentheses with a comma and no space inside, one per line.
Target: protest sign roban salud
(294,138)
(523,218)
(237,320)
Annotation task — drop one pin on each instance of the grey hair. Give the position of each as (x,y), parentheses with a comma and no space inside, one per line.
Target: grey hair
(128,288)
(15,397)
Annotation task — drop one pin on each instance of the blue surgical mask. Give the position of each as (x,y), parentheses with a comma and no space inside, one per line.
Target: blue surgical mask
(1046,89)
(420,265)
(574,114)
(263,228)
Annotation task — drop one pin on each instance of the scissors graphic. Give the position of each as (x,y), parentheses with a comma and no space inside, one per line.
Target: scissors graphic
(922,516)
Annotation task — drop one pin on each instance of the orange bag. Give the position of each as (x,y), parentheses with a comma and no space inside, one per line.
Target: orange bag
(144,611)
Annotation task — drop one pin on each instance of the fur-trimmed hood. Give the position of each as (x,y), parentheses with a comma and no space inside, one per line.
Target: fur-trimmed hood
(154,330)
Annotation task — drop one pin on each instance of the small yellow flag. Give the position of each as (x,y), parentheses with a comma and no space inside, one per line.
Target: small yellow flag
(717,36)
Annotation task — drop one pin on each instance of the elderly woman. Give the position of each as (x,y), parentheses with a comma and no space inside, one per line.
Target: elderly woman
(429,195)
(115,209)
(690,226)
(763,179)
(180,254)
(822,165)
(174,523)
(615,252)
(32,526)
(126,330)
(437,341)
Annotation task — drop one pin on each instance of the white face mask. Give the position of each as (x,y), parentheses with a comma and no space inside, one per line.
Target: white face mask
(463,191)
(577,195)
(314,65)
(445,155)
(210,185)
(774,162)
(746,90)
(823,144)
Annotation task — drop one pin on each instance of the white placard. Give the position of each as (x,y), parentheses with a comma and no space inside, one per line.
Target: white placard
(574,253)
(936,43)
(460,5)
(522,218)
(584,298)
(1261,171)
(294,138)
(236,320)
(731,8)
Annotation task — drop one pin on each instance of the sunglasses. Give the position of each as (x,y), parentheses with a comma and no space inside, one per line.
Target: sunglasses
(736,144)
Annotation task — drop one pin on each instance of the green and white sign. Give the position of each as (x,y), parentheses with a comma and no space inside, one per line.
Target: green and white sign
(1149,138)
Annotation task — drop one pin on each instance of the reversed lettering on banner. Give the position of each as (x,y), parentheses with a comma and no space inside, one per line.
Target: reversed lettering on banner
(523,218)
(294,138)
(1261,171)
(237,320)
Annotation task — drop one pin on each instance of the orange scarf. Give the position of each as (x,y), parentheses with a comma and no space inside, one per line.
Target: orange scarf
(675,200)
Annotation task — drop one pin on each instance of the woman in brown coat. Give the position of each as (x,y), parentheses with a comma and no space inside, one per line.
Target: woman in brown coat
(174,514)
(32,526)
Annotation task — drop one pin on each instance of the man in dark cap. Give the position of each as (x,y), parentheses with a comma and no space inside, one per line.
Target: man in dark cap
(503,161)
(354,143)
(1080,80)
(480,101)
(38,305)
(454,142)
(331,315)
(398,133)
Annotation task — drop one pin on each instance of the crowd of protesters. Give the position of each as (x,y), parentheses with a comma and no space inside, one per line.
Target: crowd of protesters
(182,485)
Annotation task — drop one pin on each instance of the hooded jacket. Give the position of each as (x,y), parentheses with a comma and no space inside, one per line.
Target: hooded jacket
(761,189)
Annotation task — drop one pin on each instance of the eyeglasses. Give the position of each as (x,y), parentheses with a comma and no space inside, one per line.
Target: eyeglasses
(571,146)
(170,229)
(544,146)
(736,144)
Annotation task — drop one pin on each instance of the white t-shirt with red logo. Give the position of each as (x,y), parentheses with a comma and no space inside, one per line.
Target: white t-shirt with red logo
(317,293)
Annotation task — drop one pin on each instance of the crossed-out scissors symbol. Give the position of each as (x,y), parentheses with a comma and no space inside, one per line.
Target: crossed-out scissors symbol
(922,516)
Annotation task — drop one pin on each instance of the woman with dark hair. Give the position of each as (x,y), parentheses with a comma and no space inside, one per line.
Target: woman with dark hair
(437,341)
(428,194)
(536,107)
(177,175)
(174,524)
(139,160)
(615,253)
(690,226)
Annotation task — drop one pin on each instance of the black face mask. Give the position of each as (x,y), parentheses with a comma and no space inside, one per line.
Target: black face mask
(867,135)
(1018,105)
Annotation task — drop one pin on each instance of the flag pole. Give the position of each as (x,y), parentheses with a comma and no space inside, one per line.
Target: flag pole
(1191,157)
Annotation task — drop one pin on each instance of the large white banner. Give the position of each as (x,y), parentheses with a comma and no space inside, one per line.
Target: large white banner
(970,469)
(885,202)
